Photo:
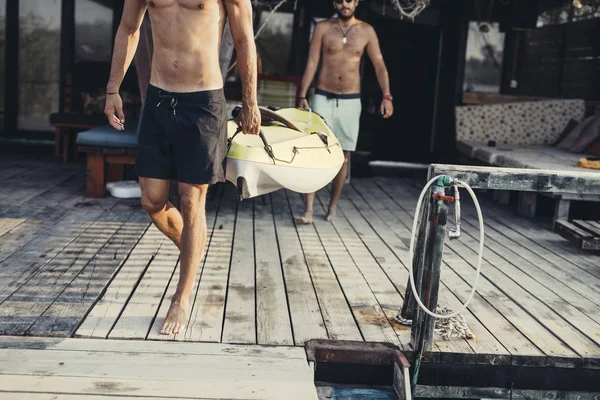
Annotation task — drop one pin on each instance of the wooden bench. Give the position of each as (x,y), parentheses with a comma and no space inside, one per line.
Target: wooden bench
(517,135)
(108,151)
(65,126)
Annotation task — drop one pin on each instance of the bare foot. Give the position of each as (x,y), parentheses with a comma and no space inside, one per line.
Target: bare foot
(330,214)
(176,318)
(307,218)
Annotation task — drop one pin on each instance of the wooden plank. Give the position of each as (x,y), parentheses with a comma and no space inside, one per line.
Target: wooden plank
(36,223)
(208,308)
(66,396)
(573,231)
(496,284)
(547,244)
(572,325)
(12,171)
(6,224)
(486,348)
(190,376)
(213,203)
(141,309)
(123,364)
(240,310)
(107,309)
(63,316)
(307,321)
(34,255)
(217,389)
(23,307)
(337,313)
(587,226)
(59,193)
(369,253)
(368,312)
(140,346)
(34,185)
(578,292)
(518,179)
(273,325)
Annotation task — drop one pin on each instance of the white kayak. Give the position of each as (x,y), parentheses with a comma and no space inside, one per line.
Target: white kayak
(296,150)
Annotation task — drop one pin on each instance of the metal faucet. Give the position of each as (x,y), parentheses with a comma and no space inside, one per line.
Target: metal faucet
(455,233)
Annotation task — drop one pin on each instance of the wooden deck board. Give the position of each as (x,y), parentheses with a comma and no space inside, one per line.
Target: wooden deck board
(193,370)
(306,317)
(206,321)
(273,324)
(240,308)
(368,312)
(337,314)
(22,308)
(61,318)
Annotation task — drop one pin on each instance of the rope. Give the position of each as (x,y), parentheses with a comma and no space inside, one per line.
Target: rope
(260,29)
(411,8)
(455,326)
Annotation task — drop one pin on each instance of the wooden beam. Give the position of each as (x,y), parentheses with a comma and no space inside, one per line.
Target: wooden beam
(67,53)
(520,179)
(119,159)
(11,72)
(96,180)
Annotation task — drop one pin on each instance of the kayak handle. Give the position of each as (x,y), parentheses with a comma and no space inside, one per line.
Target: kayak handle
(262,136)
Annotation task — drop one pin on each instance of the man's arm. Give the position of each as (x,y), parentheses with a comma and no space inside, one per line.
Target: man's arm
(240,21)
(376,57)
(126,42)
(314,55)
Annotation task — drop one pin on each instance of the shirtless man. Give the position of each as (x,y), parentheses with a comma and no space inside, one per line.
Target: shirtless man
(342,42)
(182,132)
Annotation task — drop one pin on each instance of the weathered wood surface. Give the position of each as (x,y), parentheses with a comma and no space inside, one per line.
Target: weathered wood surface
(129,369)
(265,279)
(521,179)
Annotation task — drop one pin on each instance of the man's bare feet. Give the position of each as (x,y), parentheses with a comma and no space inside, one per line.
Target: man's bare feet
(307,218)
(176,318)
(331,214)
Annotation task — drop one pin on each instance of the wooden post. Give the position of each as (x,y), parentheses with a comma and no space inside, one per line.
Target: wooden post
(418,261)
(96,183)
(423,323)
(527,204)
(561,210)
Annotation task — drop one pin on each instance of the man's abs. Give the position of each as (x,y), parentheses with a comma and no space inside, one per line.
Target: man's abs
(340,73)
(186,36)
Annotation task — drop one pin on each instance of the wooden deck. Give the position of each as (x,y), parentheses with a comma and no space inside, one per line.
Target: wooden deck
(45,368)
(71,266)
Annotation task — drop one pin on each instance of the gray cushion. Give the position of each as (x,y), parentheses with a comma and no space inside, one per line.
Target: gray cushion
(571,138)
(107,136)
(589,135)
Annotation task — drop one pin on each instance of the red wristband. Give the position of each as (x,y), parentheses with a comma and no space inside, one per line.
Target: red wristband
(388,97)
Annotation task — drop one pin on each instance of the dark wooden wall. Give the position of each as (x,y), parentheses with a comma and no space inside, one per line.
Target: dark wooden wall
(561,61)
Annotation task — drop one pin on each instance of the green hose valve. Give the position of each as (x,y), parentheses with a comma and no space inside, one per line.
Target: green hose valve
(444,180)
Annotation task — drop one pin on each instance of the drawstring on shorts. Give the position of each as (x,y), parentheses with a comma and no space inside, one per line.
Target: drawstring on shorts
(172,103)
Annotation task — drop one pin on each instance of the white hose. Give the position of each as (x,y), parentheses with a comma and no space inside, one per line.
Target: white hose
(479,257)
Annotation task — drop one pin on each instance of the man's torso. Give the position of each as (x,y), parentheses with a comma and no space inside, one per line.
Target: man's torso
(340,69)
(186,36)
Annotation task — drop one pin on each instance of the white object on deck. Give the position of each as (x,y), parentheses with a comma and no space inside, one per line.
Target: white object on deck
(124,189)
(297,151)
